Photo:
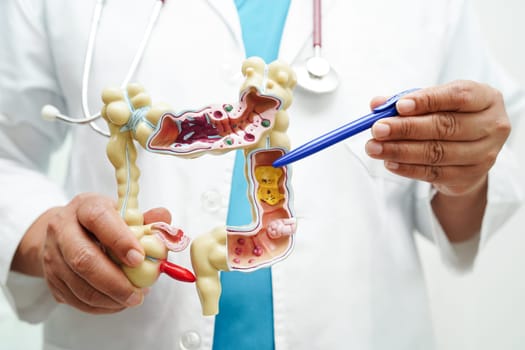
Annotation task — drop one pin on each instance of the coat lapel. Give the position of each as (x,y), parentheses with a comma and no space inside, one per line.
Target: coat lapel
(228,13)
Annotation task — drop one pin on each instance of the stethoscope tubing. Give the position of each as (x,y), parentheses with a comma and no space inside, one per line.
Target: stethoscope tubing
(88,61)
(317,34)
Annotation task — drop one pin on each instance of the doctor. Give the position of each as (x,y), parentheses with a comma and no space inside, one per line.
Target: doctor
(354,280)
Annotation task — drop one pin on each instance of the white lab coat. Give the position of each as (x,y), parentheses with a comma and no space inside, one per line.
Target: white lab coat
(354,280)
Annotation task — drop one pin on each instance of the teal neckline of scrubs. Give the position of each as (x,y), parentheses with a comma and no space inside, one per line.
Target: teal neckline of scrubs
(245,319)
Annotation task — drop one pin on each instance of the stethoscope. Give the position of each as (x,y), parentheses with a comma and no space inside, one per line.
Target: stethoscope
(50,112)
(314,75)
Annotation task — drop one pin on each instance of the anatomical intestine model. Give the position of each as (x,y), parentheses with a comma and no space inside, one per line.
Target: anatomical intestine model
(257,125)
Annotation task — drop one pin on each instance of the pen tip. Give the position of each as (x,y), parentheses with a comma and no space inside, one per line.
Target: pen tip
(278,163)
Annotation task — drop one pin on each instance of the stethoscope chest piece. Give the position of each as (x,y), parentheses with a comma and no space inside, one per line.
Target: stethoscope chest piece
(316,74)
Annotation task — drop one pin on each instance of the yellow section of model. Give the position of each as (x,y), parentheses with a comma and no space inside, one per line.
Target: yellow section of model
(268,179)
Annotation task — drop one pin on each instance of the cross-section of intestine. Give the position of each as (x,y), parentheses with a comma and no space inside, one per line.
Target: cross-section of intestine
(218,128)
(269,238)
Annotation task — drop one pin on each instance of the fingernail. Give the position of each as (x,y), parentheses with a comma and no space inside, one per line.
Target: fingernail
(134,257)
(135,299)
(405,105)
(380,130)
(391,165)
(373,148)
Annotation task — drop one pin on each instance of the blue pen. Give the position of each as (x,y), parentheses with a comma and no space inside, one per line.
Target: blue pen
(388,109)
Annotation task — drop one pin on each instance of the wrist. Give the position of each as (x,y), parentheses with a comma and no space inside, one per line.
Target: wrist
(29,253)
(461,214)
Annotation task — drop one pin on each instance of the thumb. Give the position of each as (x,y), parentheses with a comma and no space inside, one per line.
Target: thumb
(98,215)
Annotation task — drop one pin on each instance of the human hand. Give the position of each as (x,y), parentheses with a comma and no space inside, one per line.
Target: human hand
(448,135)
(75,264)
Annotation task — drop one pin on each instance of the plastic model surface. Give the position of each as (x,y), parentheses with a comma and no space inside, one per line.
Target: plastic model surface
(257,124)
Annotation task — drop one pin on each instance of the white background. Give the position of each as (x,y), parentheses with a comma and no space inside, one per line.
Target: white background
(483,310)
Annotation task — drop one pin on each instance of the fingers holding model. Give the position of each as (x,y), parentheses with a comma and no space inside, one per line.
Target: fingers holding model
(449,135)
(68,246)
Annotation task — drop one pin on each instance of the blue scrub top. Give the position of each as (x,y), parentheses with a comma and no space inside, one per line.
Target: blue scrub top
(245,319)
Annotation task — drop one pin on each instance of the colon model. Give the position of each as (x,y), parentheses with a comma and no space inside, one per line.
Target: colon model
(257,124)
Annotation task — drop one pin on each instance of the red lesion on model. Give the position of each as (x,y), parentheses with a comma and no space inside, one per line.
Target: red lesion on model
(177,272)
(197,128)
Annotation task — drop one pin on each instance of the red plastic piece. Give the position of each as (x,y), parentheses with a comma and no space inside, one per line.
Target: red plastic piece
(177,272)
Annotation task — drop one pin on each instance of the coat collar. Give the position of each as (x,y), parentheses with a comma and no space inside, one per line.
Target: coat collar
(228,13)
(297,31)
